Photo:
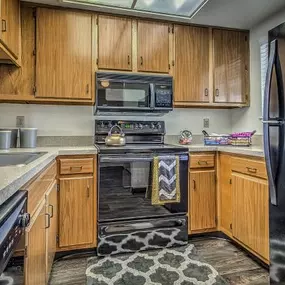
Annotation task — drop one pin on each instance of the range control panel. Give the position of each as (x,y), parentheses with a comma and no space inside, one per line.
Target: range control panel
(130,127)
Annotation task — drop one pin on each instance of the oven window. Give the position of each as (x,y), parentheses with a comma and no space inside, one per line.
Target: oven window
(120,94)
(125,190)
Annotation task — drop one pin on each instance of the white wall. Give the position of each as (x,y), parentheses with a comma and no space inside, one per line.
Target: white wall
(248,118)
(78,120)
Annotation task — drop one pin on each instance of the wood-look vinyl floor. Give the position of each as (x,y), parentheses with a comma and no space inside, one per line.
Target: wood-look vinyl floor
(232,263)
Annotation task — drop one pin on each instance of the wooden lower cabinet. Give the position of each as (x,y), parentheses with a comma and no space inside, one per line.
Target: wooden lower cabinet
(202,200)
(225,194)
(76,211)
(35,262)
(51,233)
(251,212)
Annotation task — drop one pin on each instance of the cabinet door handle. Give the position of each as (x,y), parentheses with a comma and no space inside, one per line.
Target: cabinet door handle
(51,207)
(129,60)
(206,92)
(194,184)
(76,168)
(217,93)
(87,89)
(48,225)
(203,162)
(251,170)
(88,191)
(141,60)
(4,25)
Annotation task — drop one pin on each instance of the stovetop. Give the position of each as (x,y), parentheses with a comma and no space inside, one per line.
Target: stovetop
(141,148)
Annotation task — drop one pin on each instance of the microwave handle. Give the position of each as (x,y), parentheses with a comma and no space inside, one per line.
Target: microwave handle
(152,95)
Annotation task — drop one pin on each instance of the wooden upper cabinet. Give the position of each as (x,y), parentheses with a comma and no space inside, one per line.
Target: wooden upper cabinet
(153,47)
(10,29)
(251,212)
(202,196)
(63,54)
(114,43)
(230,56)
(76,211)
(191,71)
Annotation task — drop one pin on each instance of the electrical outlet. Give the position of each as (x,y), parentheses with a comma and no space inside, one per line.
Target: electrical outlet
(20,121)
(206,122)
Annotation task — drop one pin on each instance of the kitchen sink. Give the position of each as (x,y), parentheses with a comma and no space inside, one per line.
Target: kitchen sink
(19,159)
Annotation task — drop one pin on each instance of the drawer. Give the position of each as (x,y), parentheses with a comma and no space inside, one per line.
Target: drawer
(76,165)
(39,186)
(249,166)
(202,160)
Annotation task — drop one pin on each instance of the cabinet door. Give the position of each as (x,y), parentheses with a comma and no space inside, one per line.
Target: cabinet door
(153,47)
(202,200)
(191,77)
(230,66)
(225,194)
(64,54)
(10,25)
(114,43)
(35,262)
(76,211)
(52,230)
(251,212)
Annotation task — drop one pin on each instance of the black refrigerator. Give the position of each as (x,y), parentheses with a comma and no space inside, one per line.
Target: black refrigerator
(274,149)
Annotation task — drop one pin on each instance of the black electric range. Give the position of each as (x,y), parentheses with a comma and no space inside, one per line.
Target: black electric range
(126,212)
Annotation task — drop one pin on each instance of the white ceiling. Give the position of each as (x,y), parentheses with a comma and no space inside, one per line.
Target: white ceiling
(242,14)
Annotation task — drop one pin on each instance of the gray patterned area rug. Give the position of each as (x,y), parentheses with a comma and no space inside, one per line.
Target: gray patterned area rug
(169,266)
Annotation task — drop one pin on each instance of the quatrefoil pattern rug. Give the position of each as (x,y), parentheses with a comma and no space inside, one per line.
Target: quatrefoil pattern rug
(169,266)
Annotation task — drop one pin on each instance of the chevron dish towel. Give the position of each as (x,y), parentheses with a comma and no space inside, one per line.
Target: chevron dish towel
(165,180)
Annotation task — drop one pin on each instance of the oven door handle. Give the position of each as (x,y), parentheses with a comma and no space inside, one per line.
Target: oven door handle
(123,159)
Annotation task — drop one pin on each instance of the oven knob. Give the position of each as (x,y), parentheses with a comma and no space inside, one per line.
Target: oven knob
(136,126)
(152,126)
(159,126)
(102,125)
(110,125)
(24,220)
(140,126)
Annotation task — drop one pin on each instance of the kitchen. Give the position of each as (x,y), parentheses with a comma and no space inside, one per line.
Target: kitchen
(71,71)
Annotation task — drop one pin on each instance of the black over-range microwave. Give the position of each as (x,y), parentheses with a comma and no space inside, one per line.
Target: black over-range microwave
(133,93)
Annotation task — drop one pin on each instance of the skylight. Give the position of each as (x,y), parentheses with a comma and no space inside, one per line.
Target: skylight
(183,8)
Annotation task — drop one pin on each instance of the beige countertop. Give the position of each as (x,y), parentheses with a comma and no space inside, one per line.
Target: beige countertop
(12,178)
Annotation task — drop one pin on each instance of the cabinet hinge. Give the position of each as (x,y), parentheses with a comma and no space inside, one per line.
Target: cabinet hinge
(172,29)
(57,187)
(246,38)
(169,66)
(26,251)
(97,61)
(231,226)
(57,239)
(216,220)
(34,52)
(35,13)
(173,63)
(169,30)
(34,90)
(231,181)
(246,67)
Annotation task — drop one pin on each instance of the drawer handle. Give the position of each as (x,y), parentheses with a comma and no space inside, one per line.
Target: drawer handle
(251,170)
(194,184)
(129,60)
(48,225)
(51,207)
(76,168)
(217,92)
(141,60)
(203,162)
(206,92)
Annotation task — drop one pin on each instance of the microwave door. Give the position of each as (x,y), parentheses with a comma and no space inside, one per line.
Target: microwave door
(123,96)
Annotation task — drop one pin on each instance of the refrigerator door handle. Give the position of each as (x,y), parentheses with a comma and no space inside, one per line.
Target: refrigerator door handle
(266,120)
(271,61)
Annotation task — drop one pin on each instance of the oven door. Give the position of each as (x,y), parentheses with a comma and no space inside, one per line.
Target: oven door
(125,186)
(123,95)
